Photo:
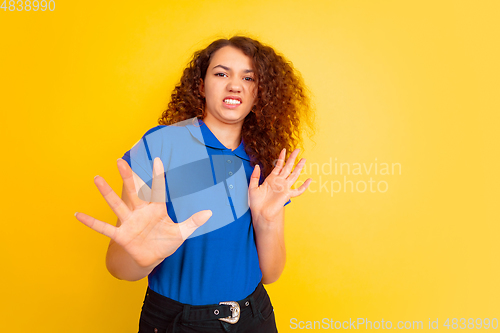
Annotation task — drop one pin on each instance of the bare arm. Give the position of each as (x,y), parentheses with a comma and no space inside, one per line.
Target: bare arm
(268,212)
(270,240)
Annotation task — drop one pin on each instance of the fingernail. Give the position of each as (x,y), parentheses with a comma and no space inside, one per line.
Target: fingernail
(96,176)
(76,213)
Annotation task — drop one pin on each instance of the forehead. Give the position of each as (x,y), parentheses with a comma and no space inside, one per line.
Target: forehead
(231,57)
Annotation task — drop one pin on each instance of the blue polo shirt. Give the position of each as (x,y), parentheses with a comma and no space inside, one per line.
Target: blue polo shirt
(219,261)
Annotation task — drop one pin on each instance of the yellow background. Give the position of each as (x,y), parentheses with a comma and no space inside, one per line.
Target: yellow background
(408,82)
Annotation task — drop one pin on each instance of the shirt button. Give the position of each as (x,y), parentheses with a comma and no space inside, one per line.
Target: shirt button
(230,173)
(229,161)
(231,186)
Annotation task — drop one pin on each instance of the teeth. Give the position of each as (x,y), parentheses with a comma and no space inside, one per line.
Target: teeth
(232,101)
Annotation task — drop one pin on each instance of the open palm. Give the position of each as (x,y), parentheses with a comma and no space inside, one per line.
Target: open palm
(146,231)
(267,200)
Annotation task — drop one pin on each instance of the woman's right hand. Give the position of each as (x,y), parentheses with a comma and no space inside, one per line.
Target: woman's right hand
(146,232)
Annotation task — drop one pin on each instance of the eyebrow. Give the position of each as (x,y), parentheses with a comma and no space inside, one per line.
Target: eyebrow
(228,69)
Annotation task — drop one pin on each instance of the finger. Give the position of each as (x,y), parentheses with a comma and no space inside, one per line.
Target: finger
(144,191)
(279,162)
(191,224)
(128,183)
(289,164)
(101,227)
(254,178)
(158,193)
(298,191)
(114,201)
(296,172)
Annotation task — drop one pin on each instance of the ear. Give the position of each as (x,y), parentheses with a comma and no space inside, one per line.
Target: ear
(202,88)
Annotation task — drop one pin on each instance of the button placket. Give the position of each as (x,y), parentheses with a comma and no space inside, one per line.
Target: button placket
(230,172)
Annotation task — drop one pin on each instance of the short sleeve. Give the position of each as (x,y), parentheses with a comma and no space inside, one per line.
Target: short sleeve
(141,156)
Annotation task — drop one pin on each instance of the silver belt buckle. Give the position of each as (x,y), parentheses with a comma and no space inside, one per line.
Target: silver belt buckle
(235,312)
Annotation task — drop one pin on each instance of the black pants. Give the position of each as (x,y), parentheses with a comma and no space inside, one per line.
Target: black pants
(161,314)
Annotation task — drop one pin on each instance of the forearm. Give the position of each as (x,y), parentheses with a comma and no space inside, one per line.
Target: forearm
(122,266)
(270,241)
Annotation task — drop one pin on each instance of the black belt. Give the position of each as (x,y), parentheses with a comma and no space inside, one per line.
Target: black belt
(224,311)
(227,312)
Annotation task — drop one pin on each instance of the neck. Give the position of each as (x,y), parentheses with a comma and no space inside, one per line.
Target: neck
(228,134)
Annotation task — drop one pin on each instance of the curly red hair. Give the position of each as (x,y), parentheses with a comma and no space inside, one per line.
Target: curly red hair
(283,104)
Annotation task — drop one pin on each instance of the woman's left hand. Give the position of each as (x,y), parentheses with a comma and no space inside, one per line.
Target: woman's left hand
(267,200)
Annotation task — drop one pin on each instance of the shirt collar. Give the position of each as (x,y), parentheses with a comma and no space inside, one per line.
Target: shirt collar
(200,131)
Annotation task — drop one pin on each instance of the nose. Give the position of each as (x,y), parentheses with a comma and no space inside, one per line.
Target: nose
(234,85)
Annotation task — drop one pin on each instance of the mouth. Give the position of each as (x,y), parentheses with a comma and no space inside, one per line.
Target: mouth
(232,100)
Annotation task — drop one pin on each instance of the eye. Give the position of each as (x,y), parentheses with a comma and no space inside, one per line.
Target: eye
(221,74)
(248,78)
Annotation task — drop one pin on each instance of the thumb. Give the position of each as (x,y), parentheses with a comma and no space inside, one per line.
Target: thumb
(191,224)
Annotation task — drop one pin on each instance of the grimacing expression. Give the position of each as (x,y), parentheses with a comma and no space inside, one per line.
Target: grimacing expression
(230,87)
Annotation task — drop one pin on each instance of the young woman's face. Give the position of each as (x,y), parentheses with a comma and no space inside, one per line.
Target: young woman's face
(230,87)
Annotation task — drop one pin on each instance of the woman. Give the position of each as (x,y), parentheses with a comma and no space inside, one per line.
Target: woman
(238,106)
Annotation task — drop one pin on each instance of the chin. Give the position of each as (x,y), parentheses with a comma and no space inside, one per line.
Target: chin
(233,118)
